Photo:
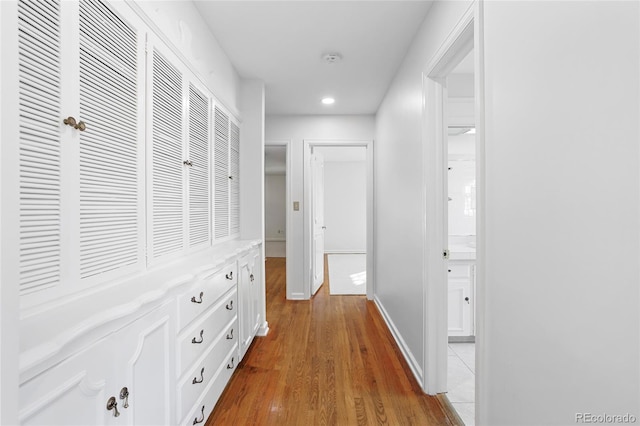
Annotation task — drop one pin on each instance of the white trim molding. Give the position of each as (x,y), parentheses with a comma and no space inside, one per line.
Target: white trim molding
(414,365)
(455,47)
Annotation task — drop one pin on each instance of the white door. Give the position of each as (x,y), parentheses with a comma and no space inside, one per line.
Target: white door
(317,197)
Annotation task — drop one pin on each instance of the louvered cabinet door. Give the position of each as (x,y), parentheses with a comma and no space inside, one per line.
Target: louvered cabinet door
(234,165)
(110,162)
(167,162)
(40,140)
(199,208)
(221,174)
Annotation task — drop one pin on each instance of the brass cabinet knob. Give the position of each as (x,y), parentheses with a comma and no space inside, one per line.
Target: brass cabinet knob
(78,125)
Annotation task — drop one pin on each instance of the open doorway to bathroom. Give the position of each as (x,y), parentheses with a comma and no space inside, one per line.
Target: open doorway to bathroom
(461,231)
(453,99)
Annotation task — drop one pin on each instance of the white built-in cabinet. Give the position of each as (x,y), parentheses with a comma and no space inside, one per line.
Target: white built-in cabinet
(80,158)
(138,300)
(127,370)
(226,175)
(461,300)
(178,151)
(250,293)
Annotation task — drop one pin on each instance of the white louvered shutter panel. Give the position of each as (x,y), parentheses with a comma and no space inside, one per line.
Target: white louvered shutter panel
(234,202)
(221,165)
(167,176)
(199,200)
(108,148)
(39,132)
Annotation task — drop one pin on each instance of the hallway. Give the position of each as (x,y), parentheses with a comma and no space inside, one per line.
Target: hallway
(328,361)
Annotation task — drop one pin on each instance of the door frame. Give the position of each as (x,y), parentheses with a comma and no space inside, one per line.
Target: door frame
(466,35)
(307,213)
(286,143)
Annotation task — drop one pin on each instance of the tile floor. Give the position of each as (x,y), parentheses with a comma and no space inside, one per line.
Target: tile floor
(461,379)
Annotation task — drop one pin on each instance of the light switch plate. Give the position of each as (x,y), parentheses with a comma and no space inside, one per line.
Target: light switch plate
(296,206)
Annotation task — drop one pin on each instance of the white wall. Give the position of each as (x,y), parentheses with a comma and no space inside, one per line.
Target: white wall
(345,206)
(181,24)
(252,159)
(297,129)
(460,85)
(562,196)
(275,243)
(461,206)
(399,201)
(9,259)
(274,206)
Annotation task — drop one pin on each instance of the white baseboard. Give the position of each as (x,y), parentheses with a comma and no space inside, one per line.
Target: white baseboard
(263,330)
(275,249)
(408,355)
(345,251)
(297,296)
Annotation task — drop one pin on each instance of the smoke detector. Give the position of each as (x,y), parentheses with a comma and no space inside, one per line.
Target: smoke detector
(330,58)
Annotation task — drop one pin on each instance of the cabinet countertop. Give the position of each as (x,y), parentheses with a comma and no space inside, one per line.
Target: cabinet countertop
(461,252)
(45,334)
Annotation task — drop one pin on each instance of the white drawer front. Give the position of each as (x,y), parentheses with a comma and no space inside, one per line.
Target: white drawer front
(219,365)
(195,340)
(196,301)
(457,270)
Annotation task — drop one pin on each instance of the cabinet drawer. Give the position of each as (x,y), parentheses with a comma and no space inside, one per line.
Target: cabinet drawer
(219,365)
(196,301)
(459,270)
(196,339)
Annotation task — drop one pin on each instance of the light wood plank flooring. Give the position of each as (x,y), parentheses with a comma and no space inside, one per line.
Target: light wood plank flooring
(327,361)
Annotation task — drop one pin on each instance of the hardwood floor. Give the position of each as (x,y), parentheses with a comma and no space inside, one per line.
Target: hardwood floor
(327,361)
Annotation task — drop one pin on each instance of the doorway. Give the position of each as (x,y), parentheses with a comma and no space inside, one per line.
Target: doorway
(343,171)
(338,186)
(277,190)
(440,269)
(461,238)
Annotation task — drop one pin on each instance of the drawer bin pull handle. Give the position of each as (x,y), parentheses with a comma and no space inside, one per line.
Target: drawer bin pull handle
(124,394)
(230,335)
(230,306)
(193,299)
(230,365)
(229,276)
(113,405)
(201,338)
(196,381)
(196,421)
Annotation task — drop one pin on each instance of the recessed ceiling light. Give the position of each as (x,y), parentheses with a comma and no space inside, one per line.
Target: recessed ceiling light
(332,57)
(328,101)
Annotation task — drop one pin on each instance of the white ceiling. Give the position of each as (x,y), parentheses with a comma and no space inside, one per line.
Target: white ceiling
(283,44)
